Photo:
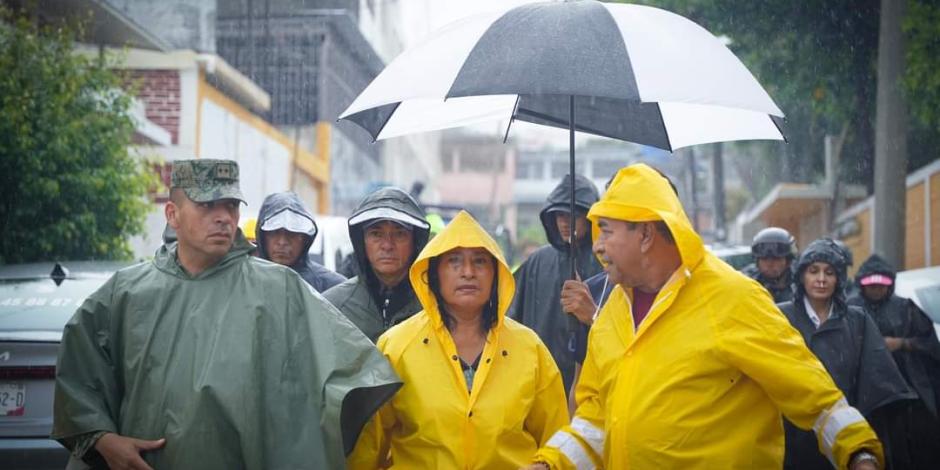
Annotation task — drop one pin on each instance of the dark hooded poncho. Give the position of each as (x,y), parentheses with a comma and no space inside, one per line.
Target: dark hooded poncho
(540,278)
(241,366)
(919,362)
(316,275)
(854,353)
(363,299)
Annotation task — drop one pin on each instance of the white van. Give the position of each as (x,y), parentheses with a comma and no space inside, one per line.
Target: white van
(332,243)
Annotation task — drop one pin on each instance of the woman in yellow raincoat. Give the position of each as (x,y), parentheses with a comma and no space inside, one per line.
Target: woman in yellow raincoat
(481,391)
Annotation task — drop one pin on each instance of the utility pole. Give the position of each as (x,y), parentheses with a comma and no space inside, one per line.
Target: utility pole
(693,188)
(890,137)
(718,192)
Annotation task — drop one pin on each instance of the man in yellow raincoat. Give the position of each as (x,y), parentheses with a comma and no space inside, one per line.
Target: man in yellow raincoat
(450,414)
(690,364)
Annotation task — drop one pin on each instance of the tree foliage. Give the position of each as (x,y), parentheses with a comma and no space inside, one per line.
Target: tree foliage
(71,190)
(922,26)
(818,61)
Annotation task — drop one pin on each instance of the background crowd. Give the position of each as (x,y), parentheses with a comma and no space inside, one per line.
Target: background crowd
(630,348)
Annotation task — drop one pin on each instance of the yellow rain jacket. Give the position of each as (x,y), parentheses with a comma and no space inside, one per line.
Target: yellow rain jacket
(517,401)
(703,381)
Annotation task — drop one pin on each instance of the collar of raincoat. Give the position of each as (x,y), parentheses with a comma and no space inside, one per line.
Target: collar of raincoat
(638,193)
(165,258)
(464,232)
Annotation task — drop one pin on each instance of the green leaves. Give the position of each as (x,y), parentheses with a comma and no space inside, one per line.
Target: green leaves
(70,189)
(922,27)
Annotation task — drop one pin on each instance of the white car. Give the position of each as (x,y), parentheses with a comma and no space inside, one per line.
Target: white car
(332,243)
(36,301)
(923,287)
(738,256)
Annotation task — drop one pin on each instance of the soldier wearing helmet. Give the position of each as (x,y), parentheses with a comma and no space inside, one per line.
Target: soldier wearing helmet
(773,249)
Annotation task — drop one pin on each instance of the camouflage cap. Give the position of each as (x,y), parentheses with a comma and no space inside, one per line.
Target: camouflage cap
(205,180)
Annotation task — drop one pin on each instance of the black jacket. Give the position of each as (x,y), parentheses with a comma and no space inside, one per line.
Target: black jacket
(900,318)
(363,299)
(781,290)
(852,350)
(537,303)
(316,275)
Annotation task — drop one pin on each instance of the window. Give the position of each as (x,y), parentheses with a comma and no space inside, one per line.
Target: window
(528,170)
(605,169)
(559,169)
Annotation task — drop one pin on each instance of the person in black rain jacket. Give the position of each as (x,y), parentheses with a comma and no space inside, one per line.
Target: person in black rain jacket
(849,345)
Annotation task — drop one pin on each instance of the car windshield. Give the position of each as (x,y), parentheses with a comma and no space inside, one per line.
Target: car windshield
(41,305)
(929,298)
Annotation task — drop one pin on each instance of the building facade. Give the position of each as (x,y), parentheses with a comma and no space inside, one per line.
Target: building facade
(209,110)
(313,61)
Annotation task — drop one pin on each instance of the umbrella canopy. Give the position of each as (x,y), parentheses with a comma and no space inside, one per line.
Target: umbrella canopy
(633,73)
(628,72)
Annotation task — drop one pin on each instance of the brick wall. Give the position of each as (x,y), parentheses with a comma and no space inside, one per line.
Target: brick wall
(160,92)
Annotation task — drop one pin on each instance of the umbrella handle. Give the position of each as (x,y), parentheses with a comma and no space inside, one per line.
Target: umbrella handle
(572,243)
(573,324)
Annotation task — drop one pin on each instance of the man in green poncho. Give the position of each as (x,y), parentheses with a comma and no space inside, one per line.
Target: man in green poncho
(209,358)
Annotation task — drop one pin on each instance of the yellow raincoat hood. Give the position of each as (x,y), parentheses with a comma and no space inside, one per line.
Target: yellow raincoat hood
(463,232)
(516,400)
(702,381)
(639,193)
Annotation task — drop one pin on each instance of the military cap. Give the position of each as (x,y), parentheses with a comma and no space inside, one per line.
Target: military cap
(206,180)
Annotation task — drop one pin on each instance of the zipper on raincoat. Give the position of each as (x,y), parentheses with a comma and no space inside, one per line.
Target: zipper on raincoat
(385,321)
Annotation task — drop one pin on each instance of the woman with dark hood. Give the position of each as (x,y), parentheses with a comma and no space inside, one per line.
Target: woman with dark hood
(850,347)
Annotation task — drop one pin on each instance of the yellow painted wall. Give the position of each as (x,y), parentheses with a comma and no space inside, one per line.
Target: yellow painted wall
(935,219)
(914,228)
(860,244)
(315,166)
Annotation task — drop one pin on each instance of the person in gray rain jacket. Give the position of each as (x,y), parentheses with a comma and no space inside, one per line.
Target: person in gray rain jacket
(850,347)
(540,279)
(910,336)
(388,229)
(284,232)
(209,358)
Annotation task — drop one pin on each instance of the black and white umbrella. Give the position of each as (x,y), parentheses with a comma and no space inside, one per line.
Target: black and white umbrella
(636,73)
(628,72)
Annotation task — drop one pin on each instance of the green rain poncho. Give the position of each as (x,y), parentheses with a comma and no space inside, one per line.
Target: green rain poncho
(242,366)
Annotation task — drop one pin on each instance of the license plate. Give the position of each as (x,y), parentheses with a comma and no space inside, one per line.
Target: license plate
(12,399)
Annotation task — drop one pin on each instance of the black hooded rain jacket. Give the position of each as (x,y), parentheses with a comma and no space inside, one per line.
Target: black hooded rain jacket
(539,279)
(373,307)
(315,274)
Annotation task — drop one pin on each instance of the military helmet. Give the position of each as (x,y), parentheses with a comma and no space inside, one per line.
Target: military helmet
(773,242)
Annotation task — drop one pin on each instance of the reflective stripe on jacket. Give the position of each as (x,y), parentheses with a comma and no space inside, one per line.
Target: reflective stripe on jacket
(703,380)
